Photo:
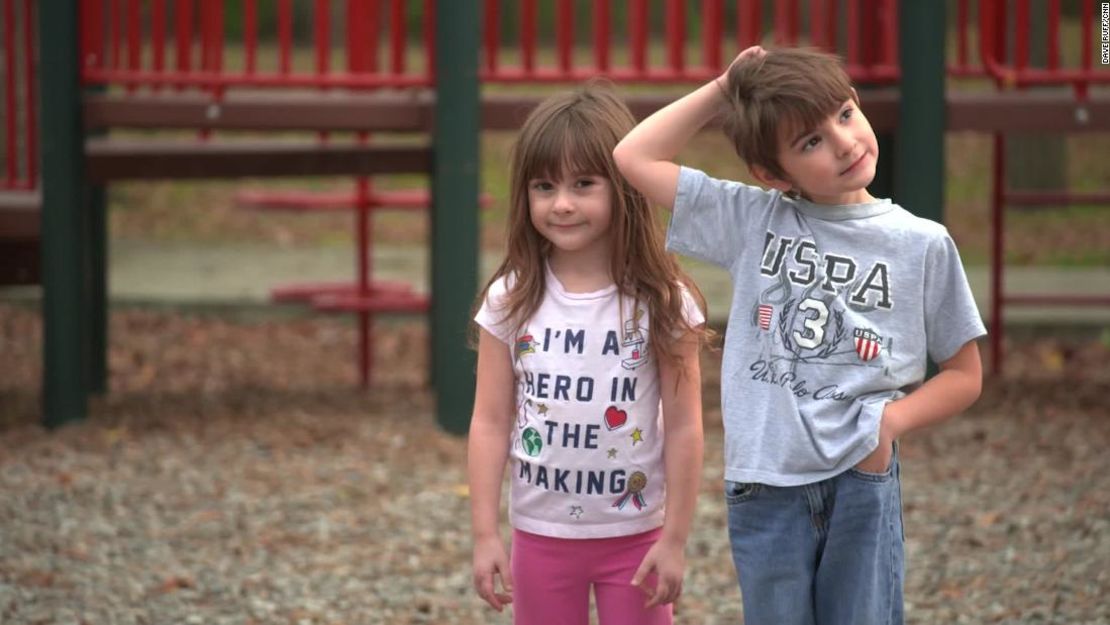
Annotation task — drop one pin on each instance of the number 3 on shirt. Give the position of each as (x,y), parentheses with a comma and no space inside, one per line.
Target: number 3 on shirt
(814,326)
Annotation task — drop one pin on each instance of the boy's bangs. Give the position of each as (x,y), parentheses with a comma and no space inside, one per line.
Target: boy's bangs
(560,149)
(802,116)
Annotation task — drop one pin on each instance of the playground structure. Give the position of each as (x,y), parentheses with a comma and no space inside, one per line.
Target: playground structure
(120,77)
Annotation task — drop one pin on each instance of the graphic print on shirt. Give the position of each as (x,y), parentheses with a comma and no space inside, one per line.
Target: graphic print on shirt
(804,318)
(566,443)
(634,340)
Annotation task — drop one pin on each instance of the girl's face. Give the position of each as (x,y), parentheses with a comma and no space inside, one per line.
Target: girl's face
(573,212)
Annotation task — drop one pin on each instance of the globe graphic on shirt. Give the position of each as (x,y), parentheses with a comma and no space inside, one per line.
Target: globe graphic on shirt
(532,442)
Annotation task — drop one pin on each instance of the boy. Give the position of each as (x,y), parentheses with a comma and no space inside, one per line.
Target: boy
(838,297)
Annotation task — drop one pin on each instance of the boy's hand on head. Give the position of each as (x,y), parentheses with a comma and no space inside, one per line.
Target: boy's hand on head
(747,53)
(491,562)
(668,562)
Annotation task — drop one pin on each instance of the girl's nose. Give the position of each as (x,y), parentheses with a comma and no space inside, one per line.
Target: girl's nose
(562,202)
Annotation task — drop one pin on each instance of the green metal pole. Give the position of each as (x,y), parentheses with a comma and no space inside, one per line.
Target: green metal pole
(919,147)
(454,210)
(64,381)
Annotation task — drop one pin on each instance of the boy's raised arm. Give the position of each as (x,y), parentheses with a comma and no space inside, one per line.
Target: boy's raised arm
(646,154)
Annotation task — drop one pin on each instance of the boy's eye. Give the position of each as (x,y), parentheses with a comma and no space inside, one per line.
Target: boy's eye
(846,113)
(811,143)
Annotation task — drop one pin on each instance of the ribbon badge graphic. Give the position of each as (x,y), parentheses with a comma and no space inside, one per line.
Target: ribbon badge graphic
(636,484)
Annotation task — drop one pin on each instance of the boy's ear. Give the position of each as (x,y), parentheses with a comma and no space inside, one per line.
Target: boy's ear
(763,175)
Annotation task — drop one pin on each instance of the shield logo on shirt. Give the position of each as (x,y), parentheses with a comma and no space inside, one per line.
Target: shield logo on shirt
(868,344)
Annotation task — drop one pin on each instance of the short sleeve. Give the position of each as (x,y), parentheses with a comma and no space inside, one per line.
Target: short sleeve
(710,216)
(492,315)
(951,316)
(693,315)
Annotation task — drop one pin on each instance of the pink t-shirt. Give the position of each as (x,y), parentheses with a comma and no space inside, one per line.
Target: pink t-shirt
(587,443)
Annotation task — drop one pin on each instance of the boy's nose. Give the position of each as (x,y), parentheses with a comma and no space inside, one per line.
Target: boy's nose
(845,142)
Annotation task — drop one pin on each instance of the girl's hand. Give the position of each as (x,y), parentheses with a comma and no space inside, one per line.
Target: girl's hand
(754,51)
(490,562)
(668,561)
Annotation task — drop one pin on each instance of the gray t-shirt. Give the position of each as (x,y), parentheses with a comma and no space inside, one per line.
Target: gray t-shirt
(834,309)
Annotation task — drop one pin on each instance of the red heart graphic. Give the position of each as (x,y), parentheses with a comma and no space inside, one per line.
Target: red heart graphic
(615,418)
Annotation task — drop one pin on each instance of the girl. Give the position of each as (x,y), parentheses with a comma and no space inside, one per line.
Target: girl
(588,380)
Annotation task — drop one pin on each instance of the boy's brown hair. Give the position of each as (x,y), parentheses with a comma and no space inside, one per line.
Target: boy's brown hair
(783,93)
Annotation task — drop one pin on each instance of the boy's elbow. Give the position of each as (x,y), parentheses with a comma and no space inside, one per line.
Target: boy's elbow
(621,156)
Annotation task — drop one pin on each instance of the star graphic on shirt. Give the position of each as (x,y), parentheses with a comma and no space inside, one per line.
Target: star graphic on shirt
(612,452)
(541,408)
(637,436)
(576,512)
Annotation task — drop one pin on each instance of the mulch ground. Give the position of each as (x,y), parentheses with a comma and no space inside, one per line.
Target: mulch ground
(234,474)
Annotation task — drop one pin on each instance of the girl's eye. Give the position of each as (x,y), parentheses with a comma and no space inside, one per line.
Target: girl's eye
(542,185)
(584,182)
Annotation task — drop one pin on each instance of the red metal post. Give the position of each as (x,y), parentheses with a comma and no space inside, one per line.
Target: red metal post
(158,35)
(1021,40)
(10,86)
(397,36)
(601,36)
(32,137)
(998,298)
(491,18)
(285,36)
(638,35)
(1053,34)
(749,27)
(564,36)
(712,16)
(528,36)
(429,40)
(676,36)
(184,37)
(250,34)
(134,40)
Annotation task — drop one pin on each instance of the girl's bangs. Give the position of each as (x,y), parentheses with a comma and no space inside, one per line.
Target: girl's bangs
(559,149)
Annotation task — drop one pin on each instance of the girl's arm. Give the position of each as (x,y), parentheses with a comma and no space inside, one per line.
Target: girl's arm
(946,394)
(487,453)
(646,154)
(680,390)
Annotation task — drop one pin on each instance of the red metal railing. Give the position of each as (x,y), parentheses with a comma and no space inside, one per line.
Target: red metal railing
(20,171)
(1011,71)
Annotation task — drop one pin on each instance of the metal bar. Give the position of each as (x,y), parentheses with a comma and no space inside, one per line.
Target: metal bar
(492,31)
(528,35)
(321,25)
(602,35)
(134,39)
(32,135)
(285,36)
(158,34)
(397,36)
(250,34)
(997,256)
(1053,34)
(429,39)
(638,27)
(184,37)
(10,78)
(63,305)
(961,33)
(564,35)
(454,216)
(1021,35)
(676,35)
(749,16)
(363,242)
(115,20)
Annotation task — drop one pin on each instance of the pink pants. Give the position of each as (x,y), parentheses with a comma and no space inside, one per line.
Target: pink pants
(552,579)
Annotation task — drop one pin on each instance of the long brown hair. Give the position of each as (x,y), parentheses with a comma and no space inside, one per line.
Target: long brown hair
(576,132)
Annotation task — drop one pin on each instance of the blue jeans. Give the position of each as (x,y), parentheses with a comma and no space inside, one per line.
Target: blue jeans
(828,553)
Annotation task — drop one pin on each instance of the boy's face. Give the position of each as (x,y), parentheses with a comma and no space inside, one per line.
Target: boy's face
(832,163)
